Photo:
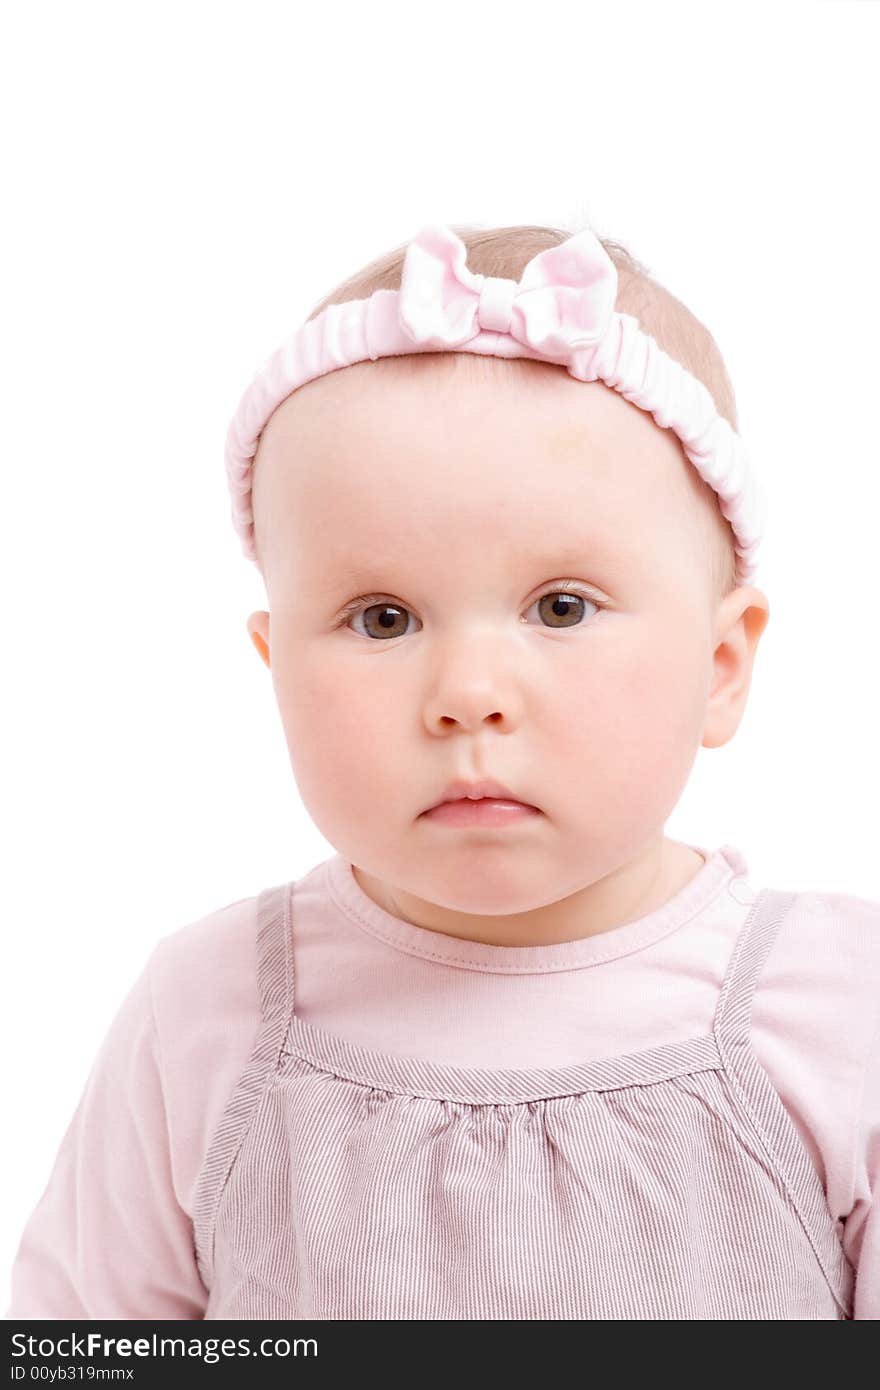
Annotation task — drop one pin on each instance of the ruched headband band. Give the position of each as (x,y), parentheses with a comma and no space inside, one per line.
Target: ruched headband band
(561,310)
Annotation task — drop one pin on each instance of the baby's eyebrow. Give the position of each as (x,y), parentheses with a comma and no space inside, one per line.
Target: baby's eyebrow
(562,556)
(549,559)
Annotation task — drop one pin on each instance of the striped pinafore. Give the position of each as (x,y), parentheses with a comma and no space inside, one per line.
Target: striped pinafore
(344,1183)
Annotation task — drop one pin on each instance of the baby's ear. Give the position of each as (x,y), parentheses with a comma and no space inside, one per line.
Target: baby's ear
(258,627)
(742,617)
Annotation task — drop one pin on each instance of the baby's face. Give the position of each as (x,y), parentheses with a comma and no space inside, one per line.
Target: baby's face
(452,496)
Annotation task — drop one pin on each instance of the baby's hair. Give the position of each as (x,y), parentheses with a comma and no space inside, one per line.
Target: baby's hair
(505,251)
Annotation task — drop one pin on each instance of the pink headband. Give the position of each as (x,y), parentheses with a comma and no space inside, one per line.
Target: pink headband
(561,311)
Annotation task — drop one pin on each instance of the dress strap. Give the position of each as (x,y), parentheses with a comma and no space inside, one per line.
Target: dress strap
(733,1012)
(753,1092)
(274,968)
(275,959)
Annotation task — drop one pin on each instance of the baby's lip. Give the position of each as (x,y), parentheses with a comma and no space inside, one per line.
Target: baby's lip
(478,791)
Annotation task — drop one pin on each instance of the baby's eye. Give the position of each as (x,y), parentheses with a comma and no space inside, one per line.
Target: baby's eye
(562,607)
(383,619)
(559,608)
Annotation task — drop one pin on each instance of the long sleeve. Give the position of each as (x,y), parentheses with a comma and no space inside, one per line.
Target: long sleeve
(862,1227)
(108,1238)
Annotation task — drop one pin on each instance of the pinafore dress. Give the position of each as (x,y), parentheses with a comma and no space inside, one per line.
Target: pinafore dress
(343,1183)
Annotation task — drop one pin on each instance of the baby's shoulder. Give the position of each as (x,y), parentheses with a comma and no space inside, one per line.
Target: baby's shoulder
(206,969)
(847,925)
(204,996)
(827,952)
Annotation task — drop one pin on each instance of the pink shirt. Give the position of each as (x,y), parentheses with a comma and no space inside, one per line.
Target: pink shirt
(112,1235)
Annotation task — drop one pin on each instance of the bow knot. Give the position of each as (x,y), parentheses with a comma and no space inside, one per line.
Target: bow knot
(563,301)
(495,307)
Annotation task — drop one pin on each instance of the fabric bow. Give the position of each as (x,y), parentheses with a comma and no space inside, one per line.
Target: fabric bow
(563,301)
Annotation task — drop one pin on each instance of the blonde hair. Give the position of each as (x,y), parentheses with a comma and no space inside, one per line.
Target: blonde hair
(505,251)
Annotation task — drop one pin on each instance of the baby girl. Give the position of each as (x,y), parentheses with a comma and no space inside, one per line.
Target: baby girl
(511,1052)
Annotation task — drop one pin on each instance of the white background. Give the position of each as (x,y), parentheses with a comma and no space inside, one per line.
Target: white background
(182,184)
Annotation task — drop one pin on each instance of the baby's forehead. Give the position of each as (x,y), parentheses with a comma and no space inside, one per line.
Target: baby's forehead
(477,450)
(437,412)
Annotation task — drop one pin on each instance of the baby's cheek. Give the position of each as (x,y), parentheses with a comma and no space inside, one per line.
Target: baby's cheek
(342,738)
(634,729)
